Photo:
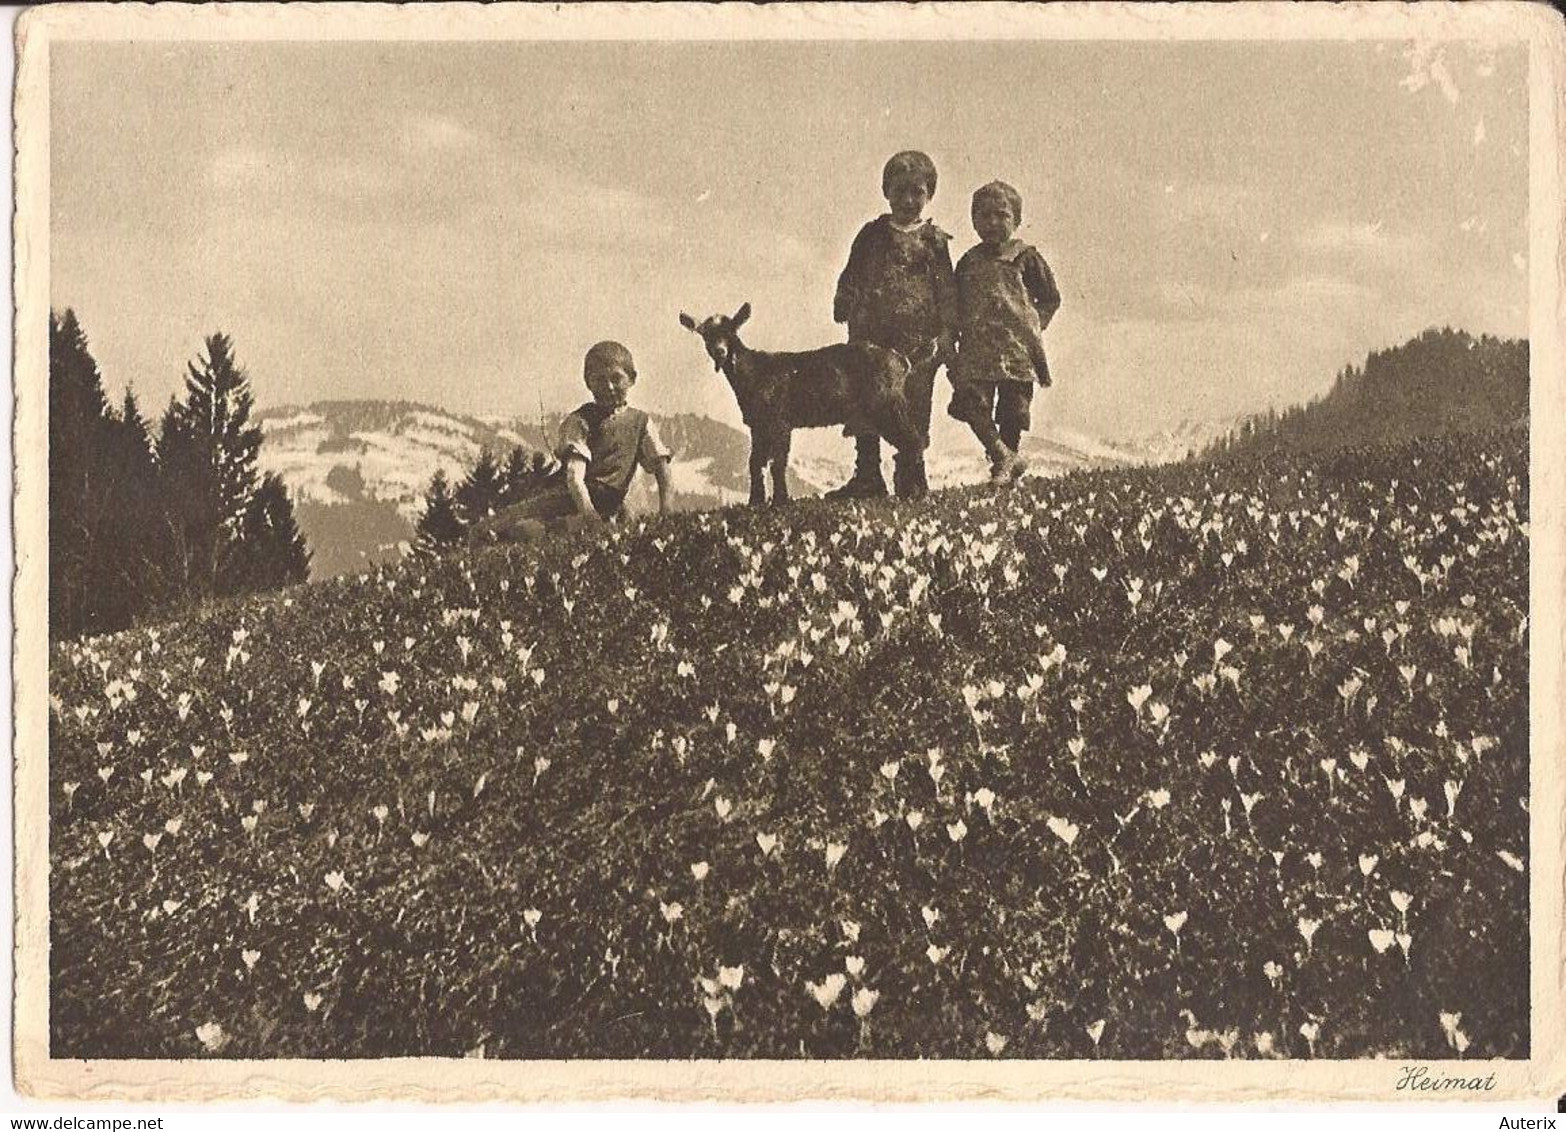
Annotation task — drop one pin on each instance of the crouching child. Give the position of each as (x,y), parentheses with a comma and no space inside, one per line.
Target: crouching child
(602,445)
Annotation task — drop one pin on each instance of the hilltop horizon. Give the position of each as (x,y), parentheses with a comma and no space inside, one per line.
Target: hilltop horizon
(1221,247)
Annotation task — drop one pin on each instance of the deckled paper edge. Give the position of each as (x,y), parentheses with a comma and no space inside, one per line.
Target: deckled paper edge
(1540,1078)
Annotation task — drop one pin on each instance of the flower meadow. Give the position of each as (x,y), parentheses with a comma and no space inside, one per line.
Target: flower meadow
(1210,760)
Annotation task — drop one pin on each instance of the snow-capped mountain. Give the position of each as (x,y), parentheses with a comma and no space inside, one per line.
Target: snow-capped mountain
(358,470)
(1189,438)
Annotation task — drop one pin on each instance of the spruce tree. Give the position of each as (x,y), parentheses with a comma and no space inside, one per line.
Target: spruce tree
(516,477)
(439,527)
(271,552)
(78,426)
(132,571)
(207,454)
(478,495)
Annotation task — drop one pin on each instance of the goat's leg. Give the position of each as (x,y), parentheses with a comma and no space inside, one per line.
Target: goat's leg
(758,464)
(781,441)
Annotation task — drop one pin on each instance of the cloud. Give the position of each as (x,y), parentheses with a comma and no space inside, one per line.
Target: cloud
(403,174)
(357,181)
(426,133)
(1148,373)
(1479,132)
(1209,199)
(279,179)
(1341,236)
(246,168)
(1302,296)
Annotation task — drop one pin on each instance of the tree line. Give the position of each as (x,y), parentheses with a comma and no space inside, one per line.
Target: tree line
(489,486)
(149,522)
(1443,380)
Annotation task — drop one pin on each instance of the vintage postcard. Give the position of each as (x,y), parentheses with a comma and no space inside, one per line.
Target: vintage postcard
(899,552)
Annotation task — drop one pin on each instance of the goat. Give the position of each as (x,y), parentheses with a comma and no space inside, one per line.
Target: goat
(856,384)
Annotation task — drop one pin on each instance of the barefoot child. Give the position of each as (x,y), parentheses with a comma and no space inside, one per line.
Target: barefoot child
(897,291)
(602,444)
(1006,296)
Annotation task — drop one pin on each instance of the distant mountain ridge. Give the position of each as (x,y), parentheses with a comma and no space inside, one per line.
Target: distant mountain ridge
(1440,381)
(358,470)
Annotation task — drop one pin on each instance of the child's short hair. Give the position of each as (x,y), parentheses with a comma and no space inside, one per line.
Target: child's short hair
(606,355)
(909,164)
(1001,191)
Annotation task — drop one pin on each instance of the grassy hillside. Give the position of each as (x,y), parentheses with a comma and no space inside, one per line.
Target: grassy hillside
(1196,761)
(1439,382)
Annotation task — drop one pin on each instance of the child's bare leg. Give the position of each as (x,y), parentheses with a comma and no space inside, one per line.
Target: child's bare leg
(1013,416)
(973,403)
(1012,420)
(994,447)
(527,520)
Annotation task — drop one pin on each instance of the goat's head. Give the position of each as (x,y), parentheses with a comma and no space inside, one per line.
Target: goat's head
(720,333)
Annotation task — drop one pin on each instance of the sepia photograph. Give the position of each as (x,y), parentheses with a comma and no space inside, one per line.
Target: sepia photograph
(885,551)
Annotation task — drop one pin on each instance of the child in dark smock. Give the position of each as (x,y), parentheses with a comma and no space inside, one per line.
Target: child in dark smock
(897,291)
(1006,296)
(602,444)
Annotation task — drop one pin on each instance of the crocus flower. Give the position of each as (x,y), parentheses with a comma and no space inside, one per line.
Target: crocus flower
(1065,830)
(1307,928)
(826,992)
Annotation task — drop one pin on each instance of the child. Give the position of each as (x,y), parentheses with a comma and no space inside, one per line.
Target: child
(898,291)
(1006,296)
(601,446)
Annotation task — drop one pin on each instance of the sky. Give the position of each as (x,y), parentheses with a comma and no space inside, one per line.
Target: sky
(455,223)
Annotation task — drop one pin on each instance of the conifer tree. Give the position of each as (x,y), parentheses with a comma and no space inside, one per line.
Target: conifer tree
(78,427)
(478,495)
(515,477)
(524,474)
(132,571)
(207,454)
(271,552)
(439,527)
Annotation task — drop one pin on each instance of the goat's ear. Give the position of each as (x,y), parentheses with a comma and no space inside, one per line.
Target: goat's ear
(741,315)
(687,321)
